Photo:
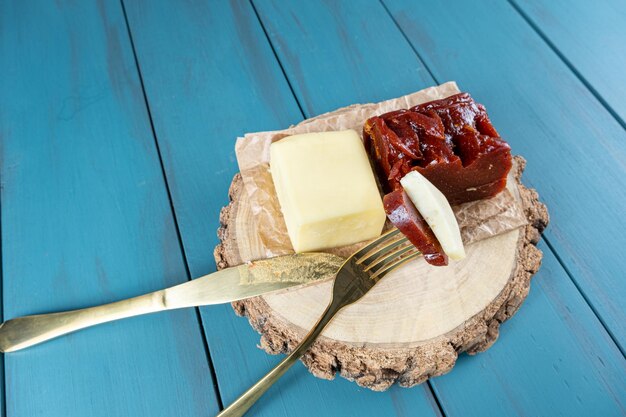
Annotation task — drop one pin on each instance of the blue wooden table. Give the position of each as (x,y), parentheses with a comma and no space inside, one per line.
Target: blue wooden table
(117,126)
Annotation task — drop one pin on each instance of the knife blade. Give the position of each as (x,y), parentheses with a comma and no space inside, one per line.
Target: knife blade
(253,279)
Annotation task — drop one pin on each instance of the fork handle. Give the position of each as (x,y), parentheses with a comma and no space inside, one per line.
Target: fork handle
(27,331)
(248,398)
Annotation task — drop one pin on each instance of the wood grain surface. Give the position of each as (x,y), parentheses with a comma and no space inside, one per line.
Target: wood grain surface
(86,218)
(413,325)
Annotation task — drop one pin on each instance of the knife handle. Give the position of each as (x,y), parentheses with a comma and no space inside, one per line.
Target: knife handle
(22,332)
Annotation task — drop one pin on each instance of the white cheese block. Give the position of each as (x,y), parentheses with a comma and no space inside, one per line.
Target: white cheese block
(436,210)
(326,189)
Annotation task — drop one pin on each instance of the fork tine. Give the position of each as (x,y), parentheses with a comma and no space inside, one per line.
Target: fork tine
(380,246)
(386,268)
(393,254)
(386,247)
(368,248)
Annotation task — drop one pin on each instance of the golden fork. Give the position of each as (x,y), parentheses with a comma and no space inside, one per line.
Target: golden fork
(358,274)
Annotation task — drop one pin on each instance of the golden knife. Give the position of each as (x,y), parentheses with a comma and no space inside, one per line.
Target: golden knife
(230,284)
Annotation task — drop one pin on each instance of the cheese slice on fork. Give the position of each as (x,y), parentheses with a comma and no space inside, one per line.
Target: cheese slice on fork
(436,210)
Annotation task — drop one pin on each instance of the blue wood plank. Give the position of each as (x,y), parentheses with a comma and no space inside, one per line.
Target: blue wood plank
(334,55)
(537,362)
(590,37)
(209,77)
(351,49)
(579,365)
(199,105)
(86,220)
(575,148)
(2,387)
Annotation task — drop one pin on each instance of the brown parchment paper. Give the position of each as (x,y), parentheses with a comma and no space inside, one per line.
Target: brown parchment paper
(477,220)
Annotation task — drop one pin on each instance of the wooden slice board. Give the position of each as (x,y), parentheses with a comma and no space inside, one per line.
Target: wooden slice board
(414,323)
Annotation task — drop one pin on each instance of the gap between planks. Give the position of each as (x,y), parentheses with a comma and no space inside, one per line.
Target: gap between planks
(172,209)
(3,381)
(617,118)
(569,65)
